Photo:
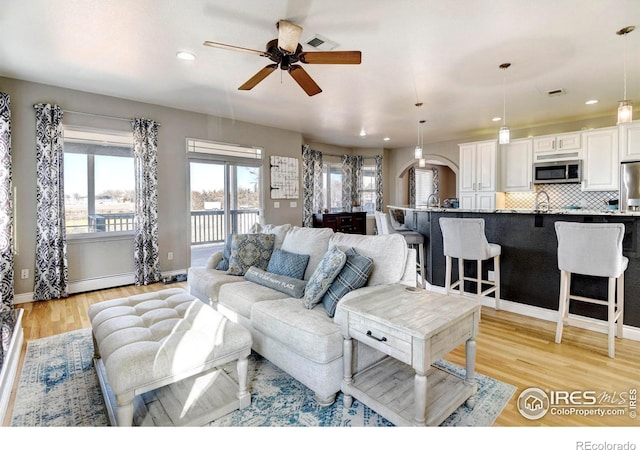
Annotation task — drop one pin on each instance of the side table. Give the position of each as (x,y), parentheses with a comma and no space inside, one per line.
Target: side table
(415,329)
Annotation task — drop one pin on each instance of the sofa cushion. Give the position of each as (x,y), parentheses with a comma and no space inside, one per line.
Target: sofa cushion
(250,250)
(388,252)
(353,275)
(307,332)
(279,230)
(293,287)
(287,263)
(244,295)
(308,241)
(328,269)
(206,283)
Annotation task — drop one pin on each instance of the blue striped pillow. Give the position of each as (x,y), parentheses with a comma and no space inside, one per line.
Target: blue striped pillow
(353,275)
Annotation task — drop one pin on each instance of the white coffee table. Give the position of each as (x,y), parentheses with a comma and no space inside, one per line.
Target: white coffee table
(415,330)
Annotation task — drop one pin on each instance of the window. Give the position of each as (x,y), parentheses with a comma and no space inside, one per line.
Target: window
(332,187)
(424,186)
(368,193)
(99,181)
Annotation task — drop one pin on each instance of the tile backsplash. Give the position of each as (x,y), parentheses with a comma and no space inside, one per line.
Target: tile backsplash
(561,196)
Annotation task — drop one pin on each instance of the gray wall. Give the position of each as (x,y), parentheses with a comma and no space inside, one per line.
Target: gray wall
(89,259)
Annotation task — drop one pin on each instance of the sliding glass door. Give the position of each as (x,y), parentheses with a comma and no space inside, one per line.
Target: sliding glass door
(225,198)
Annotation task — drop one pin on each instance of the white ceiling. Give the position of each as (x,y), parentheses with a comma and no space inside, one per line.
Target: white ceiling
(443,53)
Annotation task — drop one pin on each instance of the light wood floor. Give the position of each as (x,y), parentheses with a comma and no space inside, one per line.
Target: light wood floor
(515,349)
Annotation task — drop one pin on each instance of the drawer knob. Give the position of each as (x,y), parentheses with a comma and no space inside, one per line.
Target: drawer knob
(382,339)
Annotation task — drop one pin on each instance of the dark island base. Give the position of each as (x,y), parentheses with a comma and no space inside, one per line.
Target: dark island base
(529,267)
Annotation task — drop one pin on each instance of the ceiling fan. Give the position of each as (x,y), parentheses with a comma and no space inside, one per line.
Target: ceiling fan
(286,52)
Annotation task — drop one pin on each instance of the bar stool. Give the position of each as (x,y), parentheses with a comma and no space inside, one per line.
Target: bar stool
(413,238)
(465,239)
(593,249)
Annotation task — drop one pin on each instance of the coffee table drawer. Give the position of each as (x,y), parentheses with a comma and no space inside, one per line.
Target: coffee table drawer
(381,337)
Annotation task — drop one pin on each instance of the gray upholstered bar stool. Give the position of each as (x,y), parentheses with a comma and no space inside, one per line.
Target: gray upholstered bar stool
(593,249)
(413,239)
(465,239)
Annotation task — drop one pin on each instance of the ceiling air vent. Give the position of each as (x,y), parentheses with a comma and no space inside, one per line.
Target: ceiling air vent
(556,92)
(321,43)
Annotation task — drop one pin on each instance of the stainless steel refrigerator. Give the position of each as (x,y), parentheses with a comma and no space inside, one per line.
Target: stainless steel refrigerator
(630,186)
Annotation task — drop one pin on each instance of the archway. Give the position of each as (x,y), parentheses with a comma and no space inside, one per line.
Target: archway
(401,194)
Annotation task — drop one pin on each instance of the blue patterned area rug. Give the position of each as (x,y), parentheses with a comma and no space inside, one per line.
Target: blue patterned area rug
(59,387)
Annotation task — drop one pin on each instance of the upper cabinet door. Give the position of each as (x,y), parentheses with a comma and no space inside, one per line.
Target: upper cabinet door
(601,160)
(630,141)
(516,161)
(487,155)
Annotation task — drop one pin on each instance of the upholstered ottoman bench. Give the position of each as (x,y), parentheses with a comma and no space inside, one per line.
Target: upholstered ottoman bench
(161,353)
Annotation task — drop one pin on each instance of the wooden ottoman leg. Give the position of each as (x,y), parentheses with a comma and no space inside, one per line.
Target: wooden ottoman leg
(243,393)
(124,411)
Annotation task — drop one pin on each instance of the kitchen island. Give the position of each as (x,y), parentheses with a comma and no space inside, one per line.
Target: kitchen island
(528,264)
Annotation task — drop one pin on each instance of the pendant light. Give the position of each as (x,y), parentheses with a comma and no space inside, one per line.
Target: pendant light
(504,134)
(417,153)
(625,107)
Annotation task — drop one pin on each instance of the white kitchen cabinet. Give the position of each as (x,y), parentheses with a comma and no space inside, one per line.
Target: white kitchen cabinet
(516,161)
(555,147)
(630,141)
(601,163)
(478,174)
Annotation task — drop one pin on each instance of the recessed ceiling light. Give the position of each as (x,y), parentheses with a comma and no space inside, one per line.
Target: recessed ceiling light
(363,133)
(387,138)
(591,102)
(496,119)
(187,56)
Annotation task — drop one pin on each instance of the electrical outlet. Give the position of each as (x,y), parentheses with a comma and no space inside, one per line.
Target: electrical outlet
(491,275)
(170,256)
(276,204)
(24,274)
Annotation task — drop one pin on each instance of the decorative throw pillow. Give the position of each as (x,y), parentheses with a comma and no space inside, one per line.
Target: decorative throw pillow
(288,264)
(250,250)
(353,275)
(226,254)
(329,267)
(293,287)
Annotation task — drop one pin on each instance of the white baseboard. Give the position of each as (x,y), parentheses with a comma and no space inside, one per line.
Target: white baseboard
(536,312)
(93,284)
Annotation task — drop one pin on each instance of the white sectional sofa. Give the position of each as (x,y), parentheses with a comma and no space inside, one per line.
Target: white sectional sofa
(306,343)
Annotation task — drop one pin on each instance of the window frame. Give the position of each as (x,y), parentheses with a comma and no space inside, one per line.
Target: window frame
(96,136)
(329,168)
(369,168)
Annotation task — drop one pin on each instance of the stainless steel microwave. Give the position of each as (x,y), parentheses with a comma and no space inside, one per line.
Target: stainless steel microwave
(558,172)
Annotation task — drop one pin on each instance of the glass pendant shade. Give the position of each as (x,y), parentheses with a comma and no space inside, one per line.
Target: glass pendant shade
(504,135)
(417,153)
(625,111)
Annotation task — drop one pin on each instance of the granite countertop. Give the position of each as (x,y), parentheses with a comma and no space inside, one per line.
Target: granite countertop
(563,211)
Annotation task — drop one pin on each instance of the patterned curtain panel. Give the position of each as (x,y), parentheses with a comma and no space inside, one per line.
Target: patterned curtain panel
(311,184)
(51,269)
(378,183)
(6,205)
(146,255)
(351,180)
(412,185)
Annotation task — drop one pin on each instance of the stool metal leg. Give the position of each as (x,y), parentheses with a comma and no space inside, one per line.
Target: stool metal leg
(563,303)
(611,316)
(496,274)
(620,304)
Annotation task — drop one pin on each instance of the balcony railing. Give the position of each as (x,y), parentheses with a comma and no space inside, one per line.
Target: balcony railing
(207,226)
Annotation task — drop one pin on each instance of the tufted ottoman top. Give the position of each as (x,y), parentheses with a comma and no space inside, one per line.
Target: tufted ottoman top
(153,338)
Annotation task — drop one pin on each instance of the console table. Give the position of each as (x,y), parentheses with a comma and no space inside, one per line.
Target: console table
(342,222)
(415,328)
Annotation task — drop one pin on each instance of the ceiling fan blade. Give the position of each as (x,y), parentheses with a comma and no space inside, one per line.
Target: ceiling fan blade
(258,77)
(233,47)
(304,80)
(288,36)
(346,57)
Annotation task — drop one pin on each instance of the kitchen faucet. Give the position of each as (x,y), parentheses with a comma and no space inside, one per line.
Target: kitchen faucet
(546,204)
(436,200)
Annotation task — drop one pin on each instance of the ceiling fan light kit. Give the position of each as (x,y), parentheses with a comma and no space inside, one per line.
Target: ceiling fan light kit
(625,107)
(286,52)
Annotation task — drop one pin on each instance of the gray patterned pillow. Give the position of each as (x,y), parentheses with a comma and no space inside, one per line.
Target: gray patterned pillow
(226,254)
(293,287)
(288,264)
(250,250)
(353,275)
(328,269)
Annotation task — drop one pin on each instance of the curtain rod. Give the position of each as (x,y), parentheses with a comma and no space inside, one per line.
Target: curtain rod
(340,156)
(102,116)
